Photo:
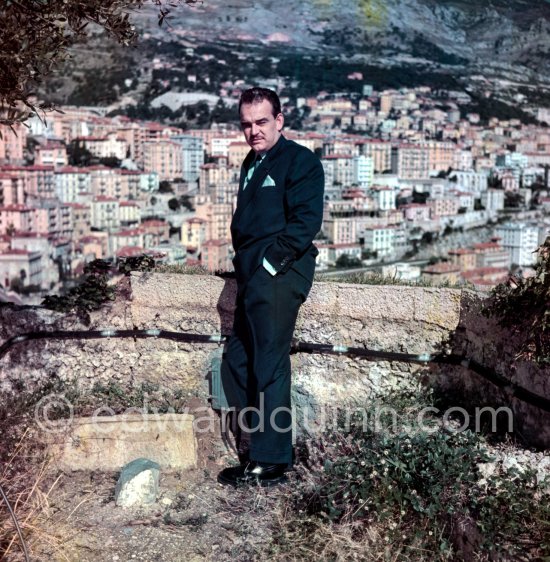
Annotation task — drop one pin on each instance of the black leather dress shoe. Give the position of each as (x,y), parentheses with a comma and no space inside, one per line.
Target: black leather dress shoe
(255,473)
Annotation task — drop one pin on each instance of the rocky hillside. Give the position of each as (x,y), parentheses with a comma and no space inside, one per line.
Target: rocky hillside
(499,47)
(505,31)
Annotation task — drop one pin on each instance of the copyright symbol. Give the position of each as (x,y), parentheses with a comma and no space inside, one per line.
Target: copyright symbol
(53,413)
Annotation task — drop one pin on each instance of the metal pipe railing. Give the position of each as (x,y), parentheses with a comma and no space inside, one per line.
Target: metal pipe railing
(513,390)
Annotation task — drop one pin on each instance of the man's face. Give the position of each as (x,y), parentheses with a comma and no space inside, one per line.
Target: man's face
(261,130)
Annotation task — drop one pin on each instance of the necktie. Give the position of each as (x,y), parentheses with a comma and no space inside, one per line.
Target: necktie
(252,169)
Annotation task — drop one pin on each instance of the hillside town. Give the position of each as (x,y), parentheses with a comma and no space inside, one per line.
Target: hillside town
(402,170)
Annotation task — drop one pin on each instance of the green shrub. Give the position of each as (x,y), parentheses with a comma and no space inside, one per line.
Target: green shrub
(411,495)
(91,294)
(523,307)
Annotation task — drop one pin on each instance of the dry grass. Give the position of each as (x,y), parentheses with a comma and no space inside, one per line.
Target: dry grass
(300,537)
(27,482)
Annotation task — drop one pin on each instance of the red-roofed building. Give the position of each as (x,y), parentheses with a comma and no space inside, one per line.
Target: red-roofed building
(89,248)
(39,181)
(485,278)
(193,233)
(16,217)
(81,219)
(51,153)
(491,254)
(129,251)
(161,229)
(215,255)
(464,258)
(443,272)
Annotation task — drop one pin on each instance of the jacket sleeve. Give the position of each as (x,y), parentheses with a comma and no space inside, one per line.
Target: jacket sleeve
(304,209)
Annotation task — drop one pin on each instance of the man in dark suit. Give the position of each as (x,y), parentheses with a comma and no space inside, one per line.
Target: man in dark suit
(279,212)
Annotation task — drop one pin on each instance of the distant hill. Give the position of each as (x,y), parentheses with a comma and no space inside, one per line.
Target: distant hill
(496,48)
(487,31)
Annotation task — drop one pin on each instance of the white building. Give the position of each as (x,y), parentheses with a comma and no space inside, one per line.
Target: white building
(192,149)
(129,212)
(521,240)
(363,171)
(69,182)
(384,197)
(463,160)
(475,182)
(24,265)
(109,146)
(512,160)
(493,199)
(105,213)
(380,239)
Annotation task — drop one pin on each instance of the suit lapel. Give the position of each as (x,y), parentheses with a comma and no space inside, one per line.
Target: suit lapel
(245,196)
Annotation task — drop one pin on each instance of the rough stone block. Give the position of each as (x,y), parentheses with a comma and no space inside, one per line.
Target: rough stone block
(110,442)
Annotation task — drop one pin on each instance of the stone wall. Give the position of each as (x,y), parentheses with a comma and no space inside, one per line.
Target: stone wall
(389,318)
(482,339)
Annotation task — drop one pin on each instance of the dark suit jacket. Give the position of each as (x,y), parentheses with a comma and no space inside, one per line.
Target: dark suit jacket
(279,221)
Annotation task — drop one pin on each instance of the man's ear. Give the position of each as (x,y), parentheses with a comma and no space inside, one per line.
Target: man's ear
(280,120)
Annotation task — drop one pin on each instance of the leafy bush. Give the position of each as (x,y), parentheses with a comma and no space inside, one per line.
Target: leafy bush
(95,291)
(523,307)
(410,495)
(91,294)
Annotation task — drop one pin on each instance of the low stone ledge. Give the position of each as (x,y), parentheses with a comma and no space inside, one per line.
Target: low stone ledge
(110,442)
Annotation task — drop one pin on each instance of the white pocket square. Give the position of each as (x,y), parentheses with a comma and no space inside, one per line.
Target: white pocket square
(268,182)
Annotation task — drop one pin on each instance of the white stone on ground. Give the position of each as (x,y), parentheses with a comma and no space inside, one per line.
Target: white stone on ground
(138,483)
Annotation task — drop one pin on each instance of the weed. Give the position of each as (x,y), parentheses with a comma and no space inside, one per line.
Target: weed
(409,495)
(521,305)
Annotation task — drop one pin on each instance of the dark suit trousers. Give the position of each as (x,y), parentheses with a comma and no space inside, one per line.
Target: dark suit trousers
(256,366)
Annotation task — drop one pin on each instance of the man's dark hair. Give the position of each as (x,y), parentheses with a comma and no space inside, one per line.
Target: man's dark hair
(257,95)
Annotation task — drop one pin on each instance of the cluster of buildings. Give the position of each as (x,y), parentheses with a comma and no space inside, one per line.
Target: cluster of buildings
(398,164)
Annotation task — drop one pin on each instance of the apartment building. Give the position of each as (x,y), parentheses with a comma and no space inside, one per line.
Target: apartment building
(12,144)
(342,168)
(109,146)
(363,170)
(521,240)
(51,153)
(12,189)
(380,152)
(164,157)
(192,152)
(410,161)
(70,181)
(105,213)
(193,233)
(17,217)
(215,255)
(380,239)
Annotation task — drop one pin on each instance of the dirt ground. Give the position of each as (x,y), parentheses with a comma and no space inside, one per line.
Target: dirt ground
(194,519)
